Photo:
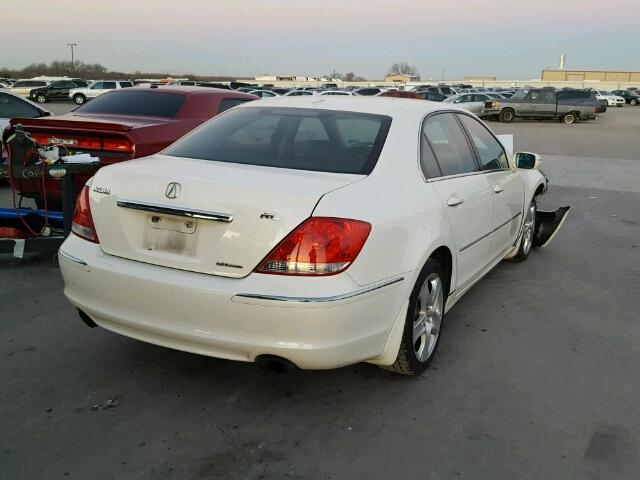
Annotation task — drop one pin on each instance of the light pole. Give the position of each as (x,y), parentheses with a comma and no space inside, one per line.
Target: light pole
(72,45)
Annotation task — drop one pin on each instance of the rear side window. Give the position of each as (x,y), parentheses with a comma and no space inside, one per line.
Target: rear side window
(449,146)
(11,107)
(109,85)
(126,84)
(140,103)
(227,103)
(295,138)
(490,153)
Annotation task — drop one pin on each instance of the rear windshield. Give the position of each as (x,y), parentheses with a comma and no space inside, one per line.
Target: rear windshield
(129,102)
(296,138)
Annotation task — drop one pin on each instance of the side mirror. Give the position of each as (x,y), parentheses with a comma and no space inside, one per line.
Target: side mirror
(527,161)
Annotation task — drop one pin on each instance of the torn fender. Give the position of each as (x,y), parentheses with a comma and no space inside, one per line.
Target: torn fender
(548,224)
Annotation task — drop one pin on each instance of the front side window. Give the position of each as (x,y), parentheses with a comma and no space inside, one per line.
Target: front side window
(449,147)
(490,153)
(227,103)
(109,85)
(97,86)
(295,138)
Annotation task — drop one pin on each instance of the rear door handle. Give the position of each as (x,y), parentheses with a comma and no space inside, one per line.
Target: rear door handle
(498,189)
(454,200)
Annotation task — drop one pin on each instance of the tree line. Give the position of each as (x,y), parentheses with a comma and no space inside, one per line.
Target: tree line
(93,71)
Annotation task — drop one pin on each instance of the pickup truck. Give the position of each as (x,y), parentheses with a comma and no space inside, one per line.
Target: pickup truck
(543,103)
(81,95)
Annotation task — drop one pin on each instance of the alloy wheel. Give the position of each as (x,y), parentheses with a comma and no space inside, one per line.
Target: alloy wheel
(428,317)
(528,229)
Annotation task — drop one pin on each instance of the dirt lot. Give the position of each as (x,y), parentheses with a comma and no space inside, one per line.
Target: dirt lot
(538,373)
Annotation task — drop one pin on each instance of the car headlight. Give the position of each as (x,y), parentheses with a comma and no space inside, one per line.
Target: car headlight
(496,104)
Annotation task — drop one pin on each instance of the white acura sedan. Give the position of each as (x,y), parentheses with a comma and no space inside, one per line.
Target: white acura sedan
(310,231)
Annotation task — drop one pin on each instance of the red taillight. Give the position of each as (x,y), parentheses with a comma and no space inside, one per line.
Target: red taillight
(318,246)
(117,145)
(82,224)
(74,142)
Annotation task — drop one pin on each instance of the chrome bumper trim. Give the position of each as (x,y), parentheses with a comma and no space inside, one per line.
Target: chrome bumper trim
(334,298)
(178,211)
(75,261)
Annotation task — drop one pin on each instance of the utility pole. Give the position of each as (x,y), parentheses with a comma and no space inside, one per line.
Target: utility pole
(442,74)
(73,65)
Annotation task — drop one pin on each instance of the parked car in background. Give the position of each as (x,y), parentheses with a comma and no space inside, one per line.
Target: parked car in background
(263,93)
(300,93)
(123,124)
(402,94)
(367,91)
(223,244)
(544,103)
(24,87)
(336,92)
(441,89)
(612,100)
(630,96)
(58,90)
(432,96)
(182,83)
(13,106)
(81,95)
(474,102)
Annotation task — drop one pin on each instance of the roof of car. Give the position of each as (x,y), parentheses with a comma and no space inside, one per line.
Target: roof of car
(187,89)
(376,105)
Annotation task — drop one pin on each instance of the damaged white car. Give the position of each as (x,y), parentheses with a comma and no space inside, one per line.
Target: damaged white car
(313,232)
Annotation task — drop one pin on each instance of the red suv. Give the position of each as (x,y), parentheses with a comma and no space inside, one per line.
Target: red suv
(122,125)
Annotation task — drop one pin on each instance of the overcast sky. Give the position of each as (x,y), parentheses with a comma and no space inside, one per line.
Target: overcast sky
(507,38)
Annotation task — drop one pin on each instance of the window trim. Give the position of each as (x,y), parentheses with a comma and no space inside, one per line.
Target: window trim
(475,151)
(466,136)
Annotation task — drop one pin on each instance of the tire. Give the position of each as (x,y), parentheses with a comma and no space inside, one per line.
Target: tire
(528,232)
(40,98)
(633,102)
(569,118)
(79,99)
(507,115)
(423,324)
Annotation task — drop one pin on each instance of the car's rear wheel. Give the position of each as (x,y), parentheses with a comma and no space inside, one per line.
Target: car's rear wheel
(423,324)
(507,115)
(40,98)
(528,232)
(569,118)
(79,99)
(633,102)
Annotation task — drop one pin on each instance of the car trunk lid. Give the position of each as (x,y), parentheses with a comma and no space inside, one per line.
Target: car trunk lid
(202,216)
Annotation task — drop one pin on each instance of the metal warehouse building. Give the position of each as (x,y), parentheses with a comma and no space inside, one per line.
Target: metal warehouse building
(566,75)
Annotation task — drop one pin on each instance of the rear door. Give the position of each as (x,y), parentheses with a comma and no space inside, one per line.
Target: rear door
(506,185)
(450,166)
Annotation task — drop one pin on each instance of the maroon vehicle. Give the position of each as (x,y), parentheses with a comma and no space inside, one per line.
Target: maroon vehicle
(122,125)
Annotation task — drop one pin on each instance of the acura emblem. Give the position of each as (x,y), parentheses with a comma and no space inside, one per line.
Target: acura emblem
(173,190)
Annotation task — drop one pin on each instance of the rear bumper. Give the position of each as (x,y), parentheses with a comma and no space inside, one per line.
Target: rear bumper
(315,323)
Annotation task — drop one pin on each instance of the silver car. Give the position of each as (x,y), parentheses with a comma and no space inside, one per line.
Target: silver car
(474,102)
